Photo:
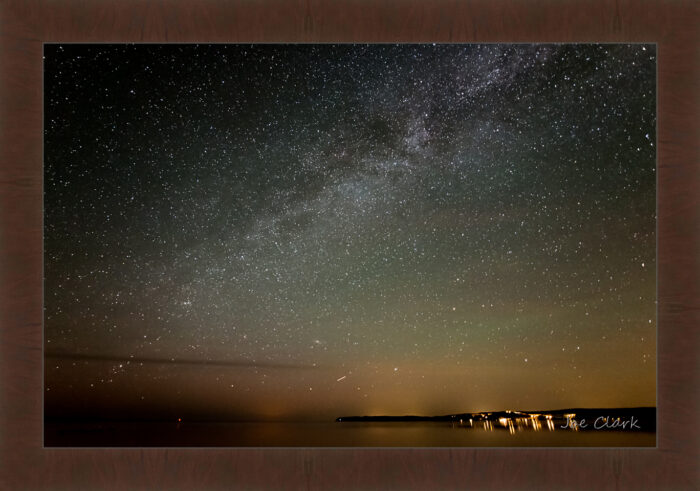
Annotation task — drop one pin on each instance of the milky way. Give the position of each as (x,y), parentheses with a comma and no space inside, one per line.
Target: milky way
(307,231)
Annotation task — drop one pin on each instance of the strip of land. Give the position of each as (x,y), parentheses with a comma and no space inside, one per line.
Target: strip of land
(631,419)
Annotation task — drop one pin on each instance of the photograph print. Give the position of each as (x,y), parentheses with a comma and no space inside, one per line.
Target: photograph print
(350,245)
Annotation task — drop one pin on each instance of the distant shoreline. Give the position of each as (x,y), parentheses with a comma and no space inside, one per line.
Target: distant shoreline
(630,419)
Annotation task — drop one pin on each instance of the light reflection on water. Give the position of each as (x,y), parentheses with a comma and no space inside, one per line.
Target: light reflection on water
(467,433)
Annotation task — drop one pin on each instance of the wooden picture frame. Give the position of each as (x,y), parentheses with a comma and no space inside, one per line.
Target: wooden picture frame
(27,24)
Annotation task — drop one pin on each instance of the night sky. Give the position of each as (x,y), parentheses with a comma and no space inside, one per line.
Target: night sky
(303,232)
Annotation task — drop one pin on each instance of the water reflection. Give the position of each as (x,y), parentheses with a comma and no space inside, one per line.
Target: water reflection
(515,421)
(627,427)
(518,430)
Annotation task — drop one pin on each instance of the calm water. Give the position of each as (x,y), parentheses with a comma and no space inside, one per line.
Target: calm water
(414,434)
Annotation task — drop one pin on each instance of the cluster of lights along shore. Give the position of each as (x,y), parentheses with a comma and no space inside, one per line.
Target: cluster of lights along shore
(309,231)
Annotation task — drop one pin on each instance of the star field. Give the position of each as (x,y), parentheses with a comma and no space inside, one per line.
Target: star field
(305,231)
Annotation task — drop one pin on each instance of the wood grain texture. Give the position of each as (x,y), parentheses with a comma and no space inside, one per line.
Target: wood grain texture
(26,24)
